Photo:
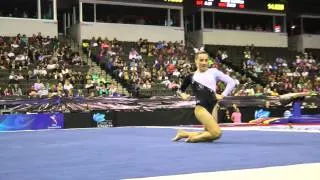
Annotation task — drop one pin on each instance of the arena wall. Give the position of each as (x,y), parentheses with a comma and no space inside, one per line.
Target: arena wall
(14,26)
(243,38)
(131,32)
(311,41)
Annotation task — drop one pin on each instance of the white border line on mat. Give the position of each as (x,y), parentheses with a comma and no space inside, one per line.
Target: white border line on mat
(292,172)
(284,128)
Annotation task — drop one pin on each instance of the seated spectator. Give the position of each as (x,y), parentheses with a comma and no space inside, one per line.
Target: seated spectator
(76,60)
(43,92)
(67,87)
(79,93)
(53,91)
(38,85)
(134,55)
(52,66)
(112,88)
(146,85)
(60,89)
(65,70)
(174,85)
(19,77)
(7,92)
(32,92)
(103,91)
(16,90)
(13,78)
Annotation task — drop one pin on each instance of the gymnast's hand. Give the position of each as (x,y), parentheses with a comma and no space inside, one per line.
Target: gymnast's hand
(185,96)
(219,97)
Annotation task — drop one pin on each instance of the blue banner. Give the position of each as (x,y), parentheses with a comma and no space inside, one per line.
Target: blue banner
(14,122)
(261,114)
(103,119)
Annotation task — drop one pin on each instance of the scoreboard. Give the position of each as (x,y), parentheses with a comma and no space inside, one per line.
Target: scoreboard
(258,5)
(261,5)
(221,3)
(176,2)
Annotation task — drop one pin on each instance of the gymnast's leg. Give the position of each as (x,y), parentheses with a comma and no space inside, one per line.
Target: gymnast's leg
(212,129)
(181,134)
(288,98)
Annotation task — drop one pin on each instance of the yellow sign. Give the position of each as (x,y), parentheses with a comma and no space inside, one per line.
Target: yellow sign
(277,7)
(174,1)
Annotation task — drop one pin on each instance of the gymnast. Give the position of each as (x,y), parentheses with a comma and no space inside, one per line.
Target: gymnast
(296,99)
(288,98)
(203,83)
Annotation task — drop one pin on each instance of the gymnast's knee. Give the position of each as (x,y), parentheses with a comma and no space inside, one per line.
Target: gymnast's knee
(216,135)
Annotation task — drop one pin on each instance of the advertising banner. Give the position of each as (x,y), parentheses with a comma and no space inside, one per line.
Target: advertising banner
(103,119)
(14,122)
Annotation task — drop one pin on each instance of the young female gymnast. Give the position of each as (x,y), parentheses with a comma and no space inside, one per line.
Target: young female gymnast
(203,82)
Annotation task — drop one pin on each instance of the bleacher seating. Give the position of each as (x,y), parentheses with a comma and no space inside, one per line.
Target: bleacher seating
(40,51)
(234,64)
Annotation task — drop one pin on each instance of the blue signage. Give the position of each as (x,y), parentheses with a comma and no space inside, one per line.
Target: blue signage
(14,122)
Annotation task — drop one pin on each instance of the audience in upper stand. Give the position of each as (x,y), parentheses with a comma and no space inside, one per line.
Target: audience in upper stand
(285,76)
(146,66)
(40,66)
(149,66)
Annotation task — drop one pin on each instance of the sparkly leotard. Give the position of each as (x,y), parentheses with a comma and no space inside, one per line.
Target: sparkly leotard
(204,84)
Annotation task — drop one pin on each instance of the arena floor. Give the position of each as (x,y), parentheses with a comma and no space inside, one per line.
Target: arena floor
(147,153)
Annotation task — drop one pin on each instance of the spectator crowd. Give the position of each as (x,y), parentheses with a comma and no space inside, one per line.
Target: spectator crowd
(40,66)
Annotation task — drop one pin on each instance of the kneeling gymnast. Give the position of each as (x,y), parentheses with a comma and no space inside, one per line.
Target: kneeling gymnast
(203,83)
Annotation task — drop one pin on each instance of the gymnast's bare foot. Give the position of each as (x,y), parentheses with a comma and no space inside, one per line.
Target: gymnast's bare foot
(197,138)
(180,135)
(190,139)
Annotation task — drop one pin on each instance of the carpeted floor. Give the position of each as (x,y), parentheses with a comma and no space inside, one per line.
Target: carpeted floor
(119,153)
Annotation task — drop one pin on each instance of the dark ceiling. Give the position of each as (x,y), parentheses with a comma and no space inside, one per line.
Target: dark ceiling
(294,6)
(304,6)
(64,4)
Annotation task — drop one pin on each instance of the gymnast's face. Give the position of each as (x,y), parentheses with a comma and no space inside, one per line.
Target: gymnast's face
(202,62)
